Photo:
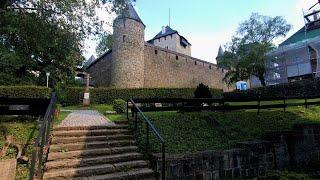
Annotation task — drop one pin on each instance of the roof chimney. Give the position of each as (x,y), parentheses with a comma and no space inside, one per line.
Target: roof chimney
(163,29)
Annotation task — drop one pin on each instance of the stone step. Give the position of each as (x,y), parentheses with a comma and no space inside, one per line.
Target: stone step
(66,128)
(89,145)
(141,174)
(59,140)
(81,162)
(93,170)
(96,132)
(91,152)
(124,122)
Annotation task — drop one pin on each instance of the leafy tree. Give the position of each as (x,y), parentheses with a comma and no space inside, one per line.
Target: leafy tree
(105,44)
(246,54)
(37,36)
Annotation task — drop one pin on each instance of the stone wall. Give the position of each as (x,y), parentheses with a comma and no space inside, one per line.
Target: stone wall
(165,68)
(282,150)
(100,71)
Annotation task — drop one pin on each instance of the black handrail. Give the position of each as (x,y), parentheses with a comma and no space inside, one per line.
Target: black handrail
(135,110)
(42,140)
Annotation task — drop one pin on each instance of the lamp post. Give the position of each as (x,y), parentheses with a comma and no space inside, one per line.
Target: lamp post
(47,74)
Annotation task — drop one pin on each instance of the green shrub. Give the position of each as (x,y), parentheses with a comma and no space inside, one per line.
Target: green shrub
(202,91)
(119,105)
(73,95)
(25,92)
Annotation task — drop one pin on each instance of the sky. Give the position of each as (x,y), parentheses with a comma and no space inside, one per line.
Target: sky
(207,24)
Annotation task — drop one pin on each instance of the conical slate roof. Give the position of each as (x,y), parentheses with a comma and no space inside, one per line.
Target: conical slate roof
(130,13)
(220,52)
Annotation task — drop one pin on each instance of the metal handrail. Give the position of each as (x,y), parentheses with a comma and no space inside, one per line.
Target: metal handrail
(154,131)
(42,140)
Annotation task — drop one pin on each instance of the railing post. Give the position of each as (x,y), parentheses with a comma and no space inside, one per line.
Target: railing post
(147,139)
(127,109)
(284,103)
(223,106)
(258,104)
(163,168)
(135,121)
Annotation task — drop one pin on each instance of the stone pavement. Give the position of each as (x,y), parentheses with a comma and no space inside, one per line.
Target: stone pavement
(85,118)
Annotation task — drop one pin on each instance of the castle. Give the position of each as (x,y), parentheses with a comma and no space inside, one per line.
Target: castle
(164,61)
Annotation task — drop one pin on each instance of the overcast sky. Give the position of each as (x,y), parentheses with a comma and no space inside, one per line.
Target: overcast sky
(207,24)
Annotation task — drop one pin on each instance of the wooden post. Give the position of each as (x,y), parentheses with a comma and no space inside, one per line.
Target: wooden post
(86,98)
(284,103)
(305,102)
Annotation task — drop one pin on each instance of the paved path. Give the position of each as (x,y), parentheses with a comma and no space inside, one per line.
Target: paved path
(86,118)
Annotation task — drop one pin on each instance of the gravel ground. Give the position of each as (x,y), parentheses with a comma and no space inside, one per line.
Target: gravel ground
(86,118)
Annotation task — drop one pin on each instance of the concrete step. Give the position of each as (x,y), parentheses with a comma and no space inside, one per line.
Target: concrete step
(124,122)
(141,174)
(96,132)
(81,162)
(90,145)
(60,140)
(93,170)
(114,126)
(91,152)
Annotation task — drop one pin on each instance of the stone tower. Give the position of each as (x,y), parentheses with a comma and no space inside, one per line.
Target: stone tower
(128,50)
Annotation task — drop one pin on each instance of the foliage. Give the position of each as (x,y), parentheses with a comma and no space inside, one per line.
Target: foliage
(119,105)
(107,95)
(24,130)
(26,55)
(190,132)
(284,175)
(297,88)
(202,91)
(105,44)
(25,92)
(245,55)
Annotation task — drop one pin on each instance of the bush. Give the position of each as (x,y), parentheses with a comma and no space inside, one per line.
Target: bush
(38,92)
(107,95)
(119,105)
(202,91)
(298,88)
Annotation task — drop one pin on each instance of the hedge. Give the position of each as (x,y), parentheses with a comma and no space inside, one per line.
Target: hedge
(298,88)
(73,95)
(25,92)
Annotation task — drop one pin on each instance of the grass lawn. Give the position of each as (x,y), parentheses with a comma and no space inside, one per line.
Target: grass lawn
(190,132)
(24,130)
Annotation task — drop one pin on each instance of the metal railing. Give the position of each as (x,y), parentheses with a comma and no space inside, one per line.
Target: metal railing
(42,140)
(149,127)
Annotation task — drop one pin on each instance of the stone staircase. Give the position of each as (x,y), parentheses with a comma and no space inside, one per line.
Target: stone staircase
(95,152)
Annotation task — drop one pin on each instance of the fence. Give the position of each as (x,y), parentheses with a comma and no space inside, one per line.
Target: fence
(149,127)
(38,157)
(223,104)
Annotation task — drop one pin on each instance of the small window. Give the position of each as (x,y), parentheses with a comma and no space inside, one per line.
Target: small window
(167,47)
(156,51)
(159,39)
(165,38)
(123,38)
(209,66)
(177,57)
(195,63)
(171,36)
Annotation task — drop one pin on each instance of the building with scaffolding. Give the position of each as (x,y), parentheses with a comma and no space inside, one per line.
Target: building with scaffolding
(297,58)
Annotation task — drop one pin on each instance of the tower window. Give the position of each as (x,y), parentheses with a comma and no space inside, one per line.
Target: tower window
(177,57)
(167,47)
(209,66)
(156,51)
(165,38)
(123,38)
(195,63)
(171,36)
(159,39)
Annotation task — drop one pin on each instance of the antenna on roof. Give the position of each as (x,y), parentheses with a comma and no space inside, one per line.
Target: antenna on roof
(169,17)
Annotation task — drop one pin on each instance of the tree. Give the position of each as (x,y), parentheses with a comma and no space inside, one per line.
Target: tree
(105,44)
(246,54)
(37,36)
